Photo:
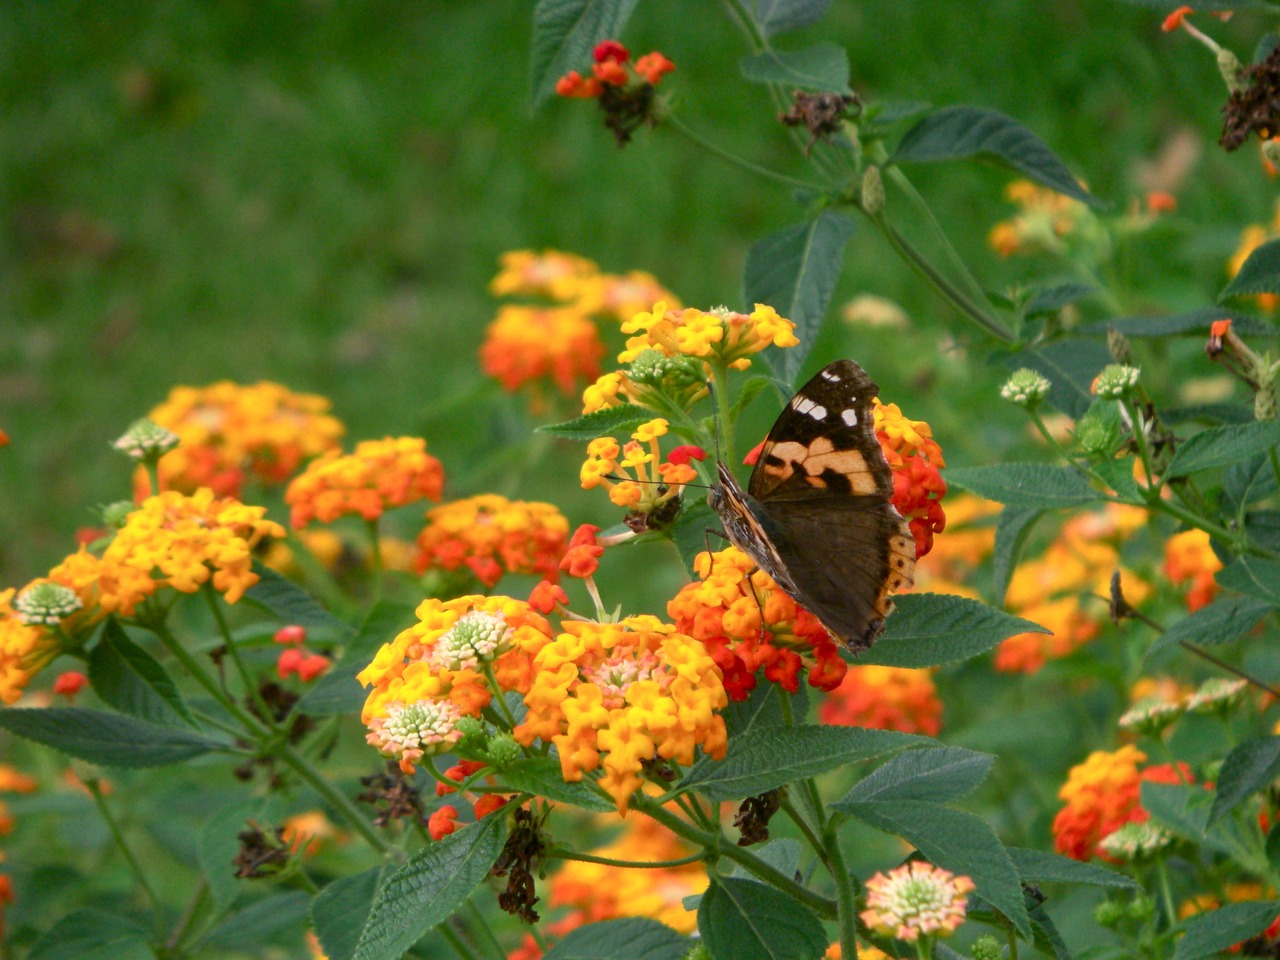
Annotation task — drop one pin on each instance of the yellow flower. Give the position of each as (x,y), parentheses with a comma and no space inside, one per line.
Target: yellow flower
(493,535)
(1189,559)
(622,296)
(23,649)
(558,276)
(1045,219)
(730,336)
(1252,237)
(635,474)
(379,475)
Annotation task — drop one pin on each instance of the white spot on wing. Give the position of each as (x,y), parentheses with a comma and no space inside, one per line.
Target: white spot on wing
(830,375)
(817,412)
(850,417)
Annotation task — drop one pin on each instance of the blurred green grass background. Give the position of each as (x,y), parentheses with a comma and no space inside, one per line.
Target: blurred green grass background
(318,193)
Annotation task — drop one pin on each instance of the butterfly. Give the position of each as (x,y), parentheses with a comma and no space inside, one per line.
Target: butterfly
(816,515)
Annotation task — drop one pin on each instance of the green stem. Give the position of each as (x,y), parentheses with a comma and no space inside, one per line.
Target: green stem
(375,555)
(724,425)
(802,824)
(734,159)
(189,913)
(123,847)
(211,598)
(1166,892)
(497,695)
(629,864)
(486,932)
(338,801)
(252,725)
(846,902)
(455,941)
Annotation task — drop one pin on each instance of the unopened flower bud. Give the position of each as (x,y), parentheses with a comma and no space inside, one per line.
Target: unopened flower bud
(503,750)
(1231,69)
(1108,913)
(1265,406)
(1118,344)
(146,440)
(872,191)
(1142,908)
(46,604)
(1271,151)
(987,947)
(1026,388)
(115,514)
(1115,381)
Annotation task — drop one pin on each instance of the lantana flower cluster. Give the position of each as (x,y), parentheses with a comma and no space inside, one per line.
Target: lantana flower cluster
(915,459)
(1189,560)
(725,334)
(491,535)
(613,68)
(378,476)
(916,900)
(230,431)
(657,482)
(885,698)
(1046,222)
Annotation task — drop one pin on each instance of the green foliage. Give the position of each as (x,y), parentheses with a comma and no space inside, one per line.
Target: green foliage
(600,423)
(821,67)
(133,681)
(564,34)
(635,938)
(111,739)
(93,935)
(931,629)
(743,918)
(1208,933)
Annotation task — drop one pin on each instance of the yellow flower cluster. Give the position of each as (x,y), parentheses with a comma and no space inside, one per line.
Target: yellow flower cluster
(1044,220)
(569,279)
(1189,559)
(379,475)
(493,535)
(722,333)
(615,695)
(24,649)
(229,430)
(1048,589)
(656,482)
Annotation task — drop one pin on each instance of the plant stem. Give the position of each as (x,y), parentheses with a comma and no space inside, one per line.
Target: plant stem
(255,694)
(732,158)
(455,941)
(375,555)
(251,723)
(349,811)
(846,903)
(117,835)
(629,864)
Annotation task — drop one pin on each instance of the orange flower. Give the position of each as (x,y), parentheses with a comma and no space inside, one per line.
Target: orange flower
(487,804)
(1253,236)
(379,475)
(1189,559)
(583,557)
(546,596)
(492,535)
(653,67)
(308,832)
(969,538)
(443,822)
(885,698)
(621,296)
(552,274)
(915,459)
(1045,219)
(526,344)
(69,683)
(657,484)
(723,611)
(229,431)
(1174,20)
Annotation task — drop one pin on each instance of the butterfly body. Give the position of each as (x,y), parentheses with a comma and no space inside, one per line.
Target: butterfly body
(816,515)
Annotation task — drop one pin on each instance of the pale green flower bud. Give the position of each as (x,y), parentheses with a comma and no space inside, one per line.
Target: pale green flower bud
(1026,388)
(146,440)
(872,192)
(46,604)
(1115,381)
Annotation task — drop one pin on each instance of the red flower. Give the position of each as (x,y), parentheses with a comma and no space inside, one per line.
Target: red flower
(610,72)
(489,803)
(290,661)
(293,633)
(654,66)
(458,774)
(1174,20)
(546,595)
(70,683)
(443,822)
(611,51)
(311,667)
(572,84)
(681,455)
(582,558)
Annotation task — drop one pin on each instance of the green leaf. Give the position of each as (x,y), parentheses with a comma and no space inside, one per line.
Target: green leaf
(770,758)
(281,917)
(750,390)
(109,739)
(1053,299)
(93,934)
(1037,866)
(939,775)
(1118,475)
(1219,446)
(1268,43)
(133,681)
(1035,485)
(795,272)
(429,887)
(632,938)
(1012,529)
(217,845)
(291,603)
(600,423)
(762,709)
(1210,413)
(339,911)
(690,531)
(1183,810)
(742,918)
(1210,933)
(1260,273)
(781,853)
(955,133)
(1250,767)
(1224,620)
(1191,323)
(929,629)
(542,777)
(564,34)
(779,16)
(338,691)
(821,67)
(1253,576)
(1249,480)
(1163,7)
(956,841)
(1070,366)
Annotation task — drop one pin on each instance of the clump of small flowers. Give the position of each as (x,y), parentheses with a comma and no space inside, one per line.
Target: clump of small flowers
(230,431)
(1115,381)
(1150,717)
(916,900)
(1215,695)
(1026,387)
(146,440)
(46,603)
(625,92)
(656,482)
(1134,842)
(1046,222)
(525,344)
(885,698)
(491,535)
(915,459)
(378,476)
(727,335)
(24,649)
(410,731)
(723,610)
(550,273)
(1189,560)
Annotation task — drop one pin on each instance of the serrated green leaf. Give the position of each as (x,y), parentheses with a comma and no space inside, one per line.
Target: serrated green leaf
(291,603)
(1209,413)
(955,133)
(1071,366)
(338,691)
(339,911)
(280,917)
(93,934)
(564,34)
(1209,933)
(542,777)
(1025,485)
(600,423)
(1053,299)
(1183,809)
(1190,323)
(795,272)
(133,681)
(1224,620)
(632,938)
(937,775)
(1249,480)
(929,629)
(690,532)
(1253,576)
(956,841)
(429,887)
(770,758)
(780,16)
(741,918)
(781,853)
(1038,866)
(763,709)
(821,67)
(1250,767)
(1260,273)
(109,739)
(1012,529)
(1219,446)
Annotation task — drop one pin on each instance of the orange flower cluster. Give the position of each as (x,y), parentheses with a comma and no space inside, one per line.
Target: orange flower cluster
(1044,220)
(885,698)
(1102,794)
(379,475)
(492,535)
(656,482)
(722,610)
(229,431)
(24,649)
(577,282)
(969,538)
(1048,590)
(915,459)
(612,70)
(1189,559)
(12,780)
